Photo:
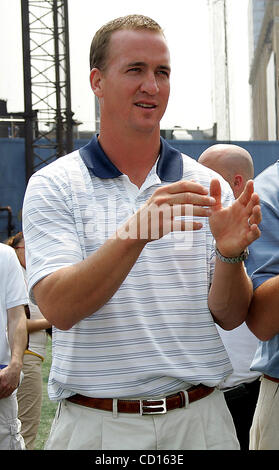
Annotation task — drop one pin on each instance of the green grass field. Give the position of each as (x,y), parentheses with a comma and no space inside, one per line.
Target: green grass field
(48,407)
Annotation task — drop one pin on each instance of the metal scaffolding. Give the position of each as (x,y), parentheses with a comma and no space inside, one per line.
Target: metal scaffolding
(47,89)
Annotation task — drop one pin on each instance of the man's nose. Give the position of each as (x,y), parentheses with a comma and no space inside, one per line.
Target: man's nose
(149,84)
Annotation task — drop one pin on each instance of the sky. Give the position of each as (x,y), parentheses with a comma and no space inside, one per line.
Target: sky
(186,26)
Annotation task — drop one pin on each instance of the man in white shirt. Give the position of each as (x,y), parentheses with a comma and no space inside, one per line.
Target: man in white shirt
(30,392)
(241,388)
(13,341)
(132,292)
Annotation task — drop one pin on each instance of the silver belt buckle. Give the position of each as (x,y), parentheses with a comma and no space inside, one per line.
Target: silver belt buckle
(152,408)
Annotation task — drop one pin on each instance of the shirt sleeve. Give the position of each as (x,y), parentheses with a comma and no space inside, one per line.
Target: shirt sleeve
(16,293)
(263,261)
(50,232)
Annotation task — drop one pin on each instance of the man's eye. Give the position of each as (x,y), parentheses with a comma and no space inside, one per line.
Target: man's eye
(163,72)
(134,69)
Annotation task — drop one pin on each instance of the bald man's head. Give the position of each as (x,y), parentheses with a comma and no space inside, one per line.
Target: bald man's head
(232,162)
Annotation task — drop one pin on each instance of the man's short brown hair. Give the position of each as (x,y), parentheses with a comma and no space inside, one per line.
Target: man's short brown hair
(100,42)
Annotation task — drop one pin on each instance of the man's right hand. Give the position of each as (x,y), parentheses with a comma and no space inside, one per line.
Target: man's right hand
(161,214)
(9,380)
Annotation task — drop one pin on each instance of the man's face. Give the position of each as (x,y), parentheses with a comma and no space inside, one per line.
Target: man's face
(134,88)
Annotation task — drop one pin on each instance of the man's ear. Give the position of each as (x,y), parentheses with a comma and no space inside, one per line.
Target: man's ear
(238,181)
(238,185)
(95,81)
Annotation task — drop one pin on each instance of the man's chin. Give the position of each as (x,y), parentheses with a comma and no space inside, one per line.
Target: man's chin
(147,128)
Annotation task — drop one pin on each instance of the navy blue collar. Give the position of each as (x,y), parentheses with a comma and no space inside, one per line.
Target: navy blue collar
(169,168)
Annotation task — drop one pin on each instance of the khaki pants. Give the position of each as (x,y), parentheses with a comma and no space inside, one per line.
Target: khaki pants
(204,424)
(29,398)
(264,433)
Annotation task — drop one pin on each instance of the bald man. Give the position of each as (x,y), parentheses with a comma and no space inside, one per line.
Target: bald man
(232,162)
(241,388)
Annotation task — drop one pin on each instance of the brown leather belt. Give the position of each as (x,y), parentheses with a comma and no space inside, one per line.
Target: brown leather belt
(273,379)
(143,407)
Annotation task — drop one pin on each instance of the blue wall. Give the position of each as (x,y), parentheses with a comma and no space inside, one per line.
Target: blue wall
(12,169)
(264,153)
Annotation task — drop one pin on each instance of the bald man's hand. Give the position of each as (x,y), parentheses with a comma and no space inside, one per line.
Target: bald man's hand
(235,227)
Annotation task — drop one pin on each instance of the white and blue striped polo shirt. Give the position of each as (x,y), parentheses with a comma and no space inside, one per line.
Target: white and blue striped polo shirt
(156,334)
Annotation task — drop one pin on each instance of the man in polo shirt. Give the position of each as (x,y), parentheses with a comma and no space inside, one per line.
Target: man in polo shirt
(121,260)
(263,319)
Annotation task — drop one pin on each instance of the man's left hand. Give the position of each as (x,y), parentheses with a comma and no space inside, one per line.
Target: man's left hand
(235,227)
